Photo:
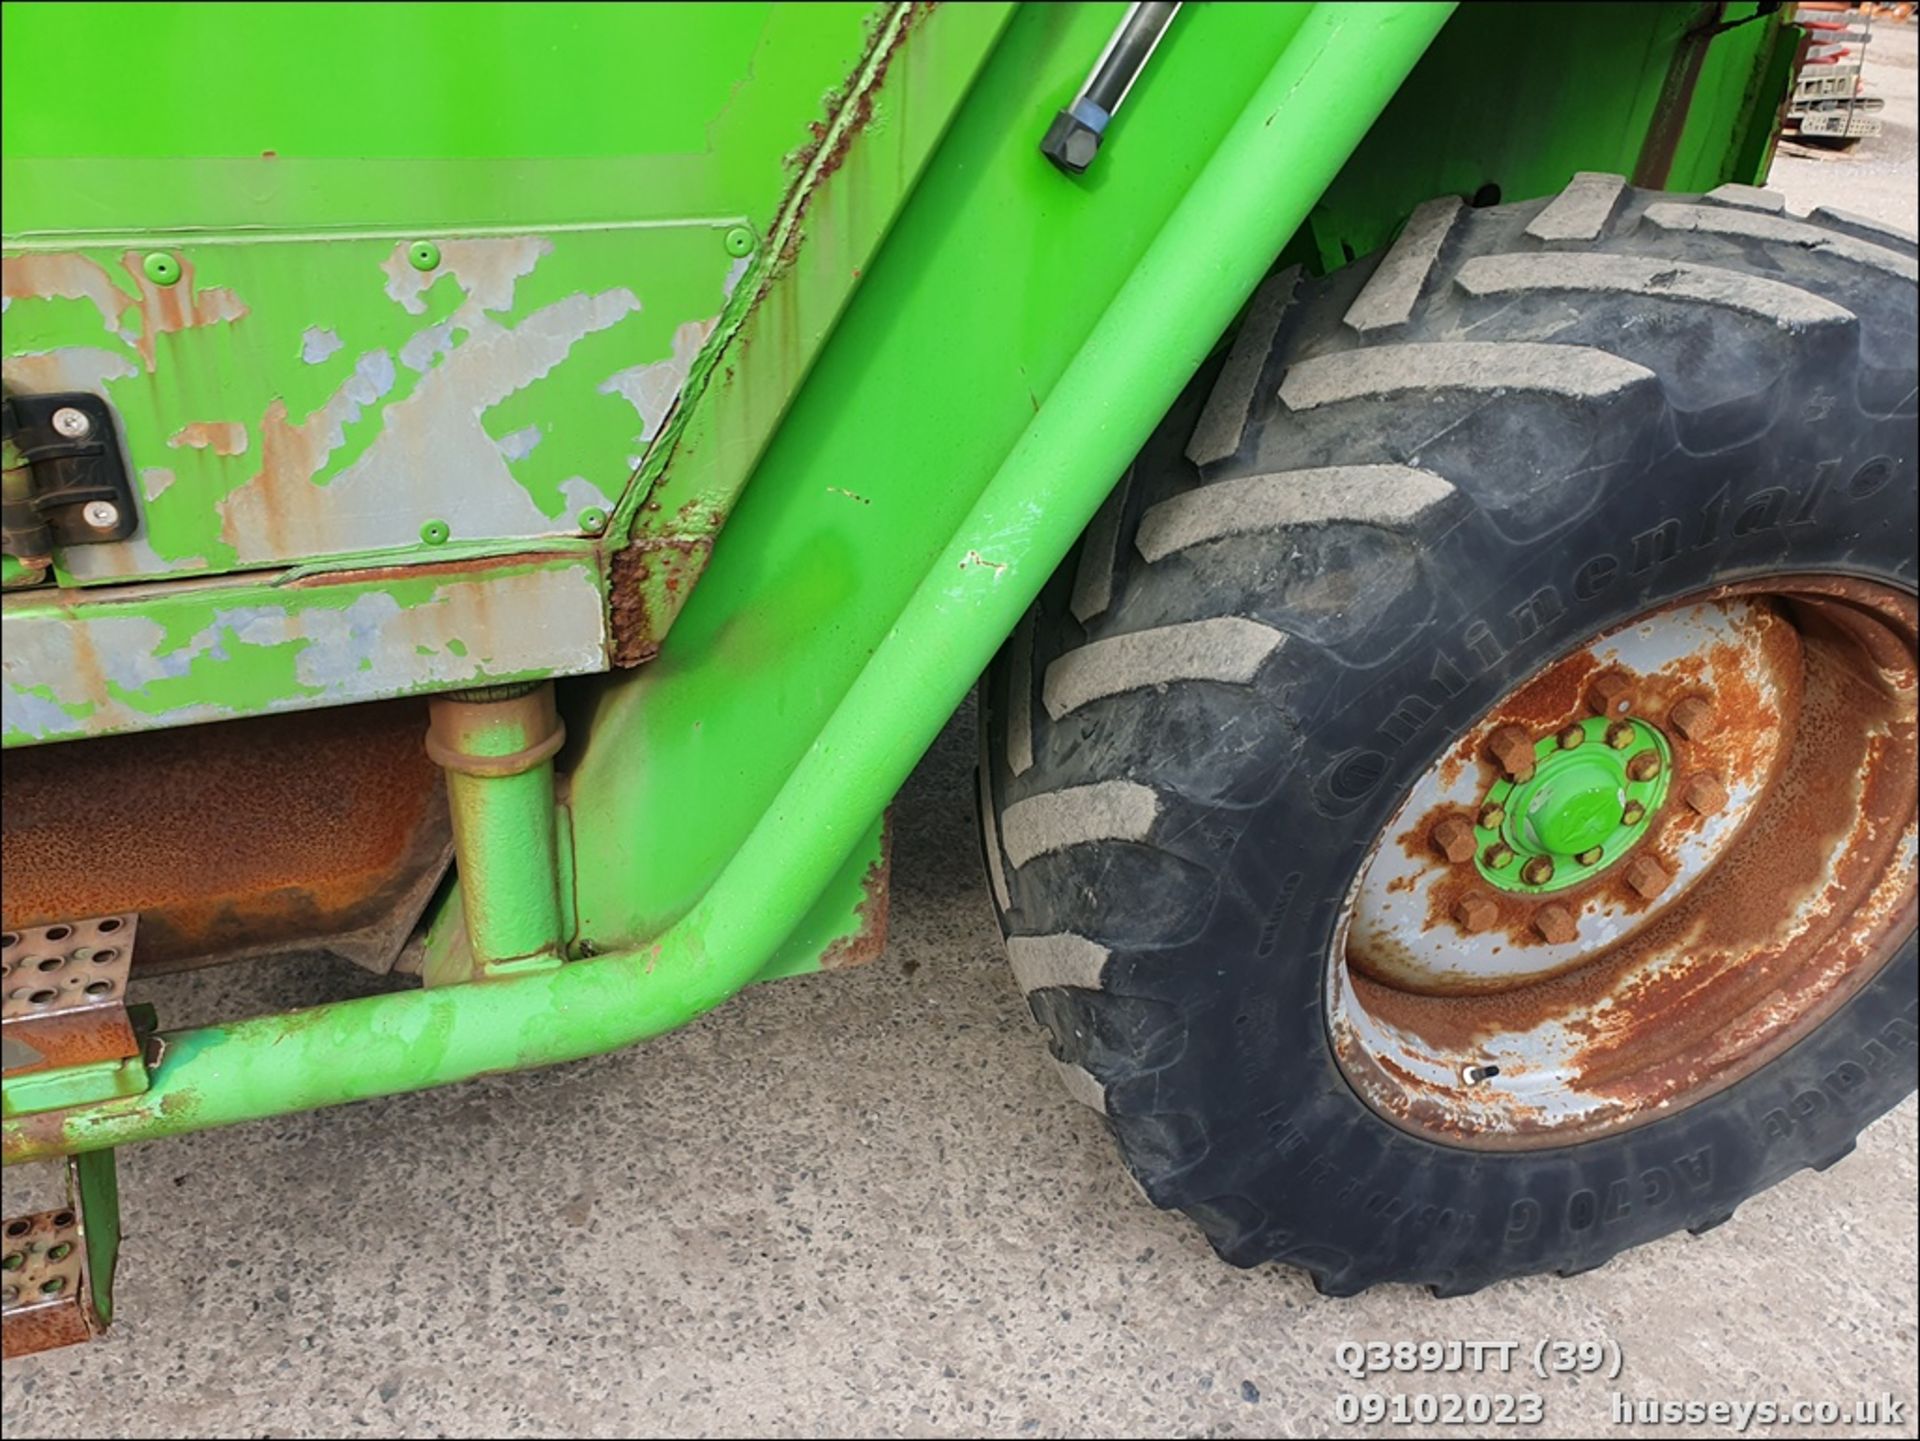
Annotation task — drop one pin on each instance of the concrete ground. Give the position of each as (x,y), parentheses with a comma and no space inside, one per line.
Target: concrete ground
(859,1205)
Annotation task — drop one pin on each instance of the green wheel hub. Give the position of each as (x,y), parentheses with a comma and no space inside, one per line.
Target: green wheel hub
(1581,810)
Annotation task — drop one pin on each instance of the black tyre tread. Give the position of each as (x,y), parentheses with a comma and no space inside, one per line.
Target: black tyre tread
(1321,461)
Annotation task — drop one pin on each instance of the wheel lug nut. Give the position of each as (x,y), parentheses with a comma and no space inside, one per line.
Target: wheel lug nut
(1555,925)
(1453,838)
(1644,766)
(1497,857)
(1692,717)
(1609,694)
(1647,876)
(1633,814)
(1491,816)
(1590,858)
(1512,749)
(1622,734)
(1476,914)
(1571,737)
(1703,794)
(1537,872)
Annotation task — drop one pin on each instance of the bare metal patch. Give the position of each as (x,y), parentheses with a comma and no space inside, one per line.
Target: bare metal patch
(319,344)
(222,437)
(652,389)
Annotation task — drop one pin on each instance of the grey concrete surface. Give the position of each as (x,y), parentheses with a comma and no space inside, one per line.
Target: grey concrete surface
(859,1205)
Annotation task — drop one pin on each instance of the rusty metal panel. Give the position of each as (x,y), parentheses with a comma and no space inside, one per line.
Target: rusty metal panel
(65,1002)
(313,832)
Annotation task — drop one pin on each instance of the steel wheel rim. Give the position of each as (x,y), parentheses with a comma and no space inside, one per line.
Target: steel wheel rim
(1772,879)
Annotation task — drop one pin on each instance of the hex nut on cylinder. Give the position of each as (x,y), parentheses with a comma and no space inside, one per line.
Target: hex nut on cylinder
(1555,925)
(1512,750)
(1476,914)
(1610,694)
(1692,717)
(1453,838)
(1703,794)
(1647,876)
(1644,765)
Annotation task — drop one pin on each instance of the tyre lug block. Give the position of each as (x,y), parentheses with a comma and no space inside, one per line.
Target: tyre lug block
(1703,794)
(1512,750)
(1590,858)
(1644,766)
(1555,925)
(1476,914)
(1453,838)
(1622,734)
(1491,816)
(1647,876)
(1497,857)
(1692,717)
(1537,872)
(1571,737)
(1610,694)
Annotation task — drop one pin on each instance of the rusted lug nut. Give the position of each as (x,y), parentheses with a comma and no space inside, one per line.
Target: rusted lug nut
(1537,872)
(1497,857)
(1703,794)
(1571,737)
(1590,858)
(1692,717)
(1491,816)
(1622,734)
(1643,766)
(1476,914)
(1633,814)
(1647,876)
(1453,838)
(1512,750)
(1610,694)
(1555,925)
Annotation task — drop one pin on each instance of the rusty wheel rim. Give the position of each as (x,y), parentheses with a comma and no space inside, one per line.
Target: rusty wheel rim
(1771,878)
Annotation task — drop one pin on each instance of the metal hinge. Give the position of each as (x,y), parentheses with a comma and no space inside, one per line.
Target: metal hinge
(66,481)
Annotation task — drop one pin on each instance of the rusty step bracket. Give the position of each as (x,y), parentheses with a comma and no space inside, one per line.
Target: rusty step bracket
(65,1001)
(58,1265)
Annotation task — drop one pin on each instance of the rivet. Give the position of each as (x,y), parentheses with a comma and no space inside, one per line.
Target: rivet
(161,268)
(593,520)
(435,532)
(423,255)
(739,241)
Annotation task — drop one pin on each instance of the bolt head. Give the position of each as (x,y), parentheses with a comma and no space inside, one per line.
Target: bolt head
(1537,872)
(1621,734)
(1633,814)
(1492,815)
(1453,838)
(1704,794)
(1610,694)
(1070,143)
(1592,857)
(1512,750)
(1571,737)
(73,424)
(1647,876)
(101,514)
(1692,717)
(1643,766)
(1477,913)
(1555,925)
(1497,857)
